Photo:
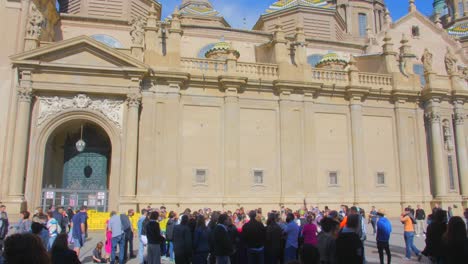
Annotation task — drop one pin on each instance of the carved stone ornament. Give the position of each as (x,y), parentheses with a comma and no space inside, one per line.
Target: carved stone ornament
(134,100)
(35,22)
(427,61)
(447,135)
(459,118)
(433,117)
(137,32)
(450,62)
(24,94)
(50,106)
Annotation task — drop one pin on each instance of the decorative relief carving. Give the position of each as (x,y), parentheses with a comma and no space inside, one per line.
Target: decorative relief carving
(134,99)
(137,32)
(35,22)
(50,106)
(427,61)
(450,62)
(447,135)
(433,117)
(25,94)
(459,118)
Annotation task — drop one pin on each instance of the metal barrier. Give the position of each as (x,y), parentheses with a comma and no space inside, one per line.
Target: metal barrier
(93,199)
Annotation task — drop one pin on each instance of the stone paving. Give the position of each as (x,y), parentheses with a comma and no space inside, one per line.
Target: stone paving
(397,246)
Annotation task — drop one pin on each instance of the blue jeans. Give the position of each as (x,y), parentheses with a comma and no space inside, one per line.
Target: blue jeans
(141,251)
(290,253)
(409,238)
(222,260)
(255,256)
(171,251)
(118,240)
(50,243)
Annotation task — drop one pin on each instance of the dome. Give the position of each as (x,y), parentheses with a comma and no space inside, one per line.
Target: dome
(332,61)
(459,30)
(221,50)
(283,4)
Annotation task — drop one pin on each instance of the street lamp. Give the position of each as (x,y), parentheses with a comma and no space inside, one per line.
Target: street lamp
(80,144)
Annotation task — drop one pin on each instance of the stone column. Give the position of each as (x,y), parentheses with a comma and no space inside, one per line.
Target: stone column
(20,149)
(461,149)
(131,146)
(231,141)
(437,149)
(359,172)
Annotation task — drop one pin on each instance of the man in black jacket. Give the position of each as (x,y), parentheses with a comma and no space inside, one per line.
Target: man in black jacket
(182,238)
(420,216)
(222,242)
(3,225)
(254,235)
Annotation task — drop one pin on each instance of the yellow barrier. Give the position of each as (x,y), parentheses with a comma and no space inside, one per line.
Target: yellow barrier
(97,220)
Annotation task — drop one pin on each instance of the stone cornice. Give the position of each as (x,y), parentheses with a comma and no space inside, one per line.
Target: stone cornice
(357,91)
(460,95)
(236,82)
(433,93)
(288,85)
(405,95)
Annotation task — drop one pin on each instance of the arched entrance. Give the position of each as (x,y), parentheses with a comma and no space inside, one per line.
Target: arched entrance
(77,174)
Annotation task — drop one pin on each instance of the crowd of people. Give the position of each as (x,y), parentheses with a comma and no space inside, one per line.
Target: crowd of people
(236,237)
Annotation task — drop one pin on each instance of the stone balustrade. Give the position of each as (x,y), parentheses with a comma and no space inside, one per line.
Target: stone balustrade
(375,80)
(261,70)
(330,76)
(270,71)
(205,66)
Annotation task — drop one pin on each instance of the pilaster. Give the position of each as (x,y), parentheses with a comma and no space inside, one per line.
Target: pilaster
(231,139)
(21,139)
(357,139)
(131,148)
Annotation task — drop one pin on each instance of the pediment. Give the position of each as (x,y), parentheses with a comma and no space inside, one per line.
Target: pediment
(81,52)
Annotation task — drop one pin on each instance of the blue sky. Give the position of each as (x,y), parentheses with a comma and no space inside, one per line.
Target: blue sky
(234,11)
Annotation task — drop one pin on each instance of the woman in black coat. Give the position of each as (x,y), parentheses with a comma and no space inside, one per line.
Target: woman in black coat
(183,242)
(455,241)
(434,245)
(153,233)
(273,245)
(61,254)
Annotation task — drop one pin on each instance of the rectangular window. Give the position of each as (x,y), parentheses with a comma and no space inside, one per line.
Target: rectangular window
(258,176)
(419,70)
(200,176)
(380,178)
(362,25)
(461,9)
(451,173)
(333,178)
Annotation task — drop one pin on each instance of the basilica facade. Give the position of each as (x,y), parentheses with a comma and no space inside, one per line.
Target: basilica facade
(328,102)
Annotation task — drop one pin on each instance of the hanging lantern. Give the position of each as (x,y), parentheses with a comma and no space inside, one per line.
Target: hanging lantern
(80,144)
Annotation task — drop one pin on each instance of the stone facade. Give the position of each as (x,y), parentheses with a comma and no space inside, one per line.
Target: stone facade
(380,121)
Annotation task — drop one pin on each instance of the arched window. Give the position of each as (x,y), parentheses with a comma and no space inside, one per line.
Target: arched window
(419,70)
(201,53)
(108,40)
(314,59)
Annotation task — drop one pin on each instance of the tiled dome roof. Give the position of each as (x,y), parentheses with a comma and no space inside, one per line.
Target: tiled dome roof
(220,47)
(201,8)
(460,30)
(332,60)
(283,4)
